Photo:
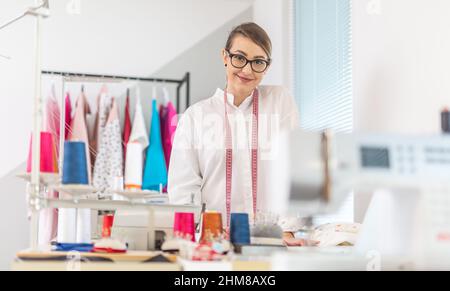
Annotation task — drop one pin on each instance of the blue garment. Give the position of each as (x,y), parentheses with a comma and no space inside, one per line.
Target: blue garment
(155,173)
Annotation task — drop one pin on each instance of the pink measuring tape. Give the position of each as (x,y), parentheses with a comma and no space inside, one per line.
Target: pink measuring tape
(229,154)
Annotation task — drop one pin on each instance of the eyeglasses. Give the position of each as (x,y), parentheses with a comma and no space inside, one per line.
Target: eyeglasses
(239,61)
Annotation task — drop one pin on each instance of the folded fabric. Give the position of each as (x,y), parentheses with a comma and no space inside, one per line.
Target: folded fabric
(67,247)
(337,234)
(110,246)
(155,173)
(109,162)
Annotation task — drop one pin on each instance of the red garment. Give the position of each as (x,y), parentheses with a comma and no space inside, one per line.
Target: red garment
(169,123)
(68,116)
(126,129)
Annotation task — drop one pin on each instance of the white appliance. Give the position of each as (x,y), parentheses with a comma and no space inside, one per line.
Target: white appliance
(146,228)
(409,216)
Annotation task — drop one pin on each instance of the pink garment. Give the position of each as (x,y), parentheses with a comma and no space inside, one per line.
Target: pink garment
(48,218)
(48,162)
(52,120)
(169,122)
(68,116)
(126,129)
(79,128)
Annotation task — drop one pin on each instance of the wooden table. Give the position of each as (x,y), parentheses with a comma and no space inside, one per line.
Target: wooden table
(63,261)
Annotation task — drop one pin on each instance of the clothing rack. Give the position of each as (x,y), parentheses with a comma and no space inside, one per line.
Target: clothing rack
(80,77)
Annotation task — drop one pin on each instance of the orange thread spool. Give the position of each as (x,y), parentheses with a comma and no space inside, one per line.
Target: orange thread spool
(212,226)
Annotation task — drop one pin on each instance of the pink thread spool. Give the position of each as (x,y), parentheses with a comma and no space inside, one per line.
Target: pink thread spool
(184,226)
(48,154)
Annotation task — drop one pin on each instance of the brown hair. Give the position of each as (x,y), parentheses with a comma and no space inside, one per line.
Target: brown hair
(255,33)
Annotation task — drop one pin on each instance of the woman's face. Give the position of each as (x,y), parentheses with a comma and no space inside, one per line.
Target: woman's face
(244,79)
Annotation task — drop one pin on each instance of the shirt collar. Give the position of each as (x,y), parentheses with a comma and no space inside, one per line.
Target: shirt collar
(230,98)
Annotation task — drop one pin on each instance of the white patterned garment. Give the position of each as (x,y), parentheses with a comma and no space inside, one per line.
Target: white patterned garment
(109,162)
(104,105)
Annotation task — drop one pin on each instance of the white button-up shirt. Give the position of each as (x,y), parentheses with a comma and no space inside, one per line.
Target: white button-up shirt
(197,168)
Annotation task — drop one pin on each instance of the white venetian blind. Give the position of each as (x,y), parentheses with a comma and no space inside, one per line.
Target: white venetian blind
(323,79)
(323,73)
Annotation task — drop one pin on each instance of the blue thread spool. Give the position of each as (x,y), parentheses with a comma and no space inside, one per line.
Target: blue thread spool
(240,229)
(75,165)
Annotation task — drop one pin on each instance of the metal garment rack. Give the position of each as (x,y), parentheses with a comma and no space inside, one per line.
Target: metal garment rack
(186,80)
(80,77)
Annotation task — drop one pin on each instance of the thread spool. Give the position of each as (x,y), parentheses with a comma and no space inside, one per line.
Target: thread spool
(212,226)
(75,172)
(445,121)
(134,166)
(240,229)
(108,222)
(184,226)
(48,163)
(75,165)
(67,226)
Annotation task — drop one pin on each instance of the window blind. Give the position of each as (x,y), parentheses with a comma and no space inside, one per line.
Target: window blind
(323,73)
(323,80)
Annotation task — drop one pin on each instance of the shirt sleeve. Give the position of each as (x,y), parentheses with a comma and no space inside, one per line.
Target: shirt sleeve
(290,117)
(185,179)
(290,120)
(290,223)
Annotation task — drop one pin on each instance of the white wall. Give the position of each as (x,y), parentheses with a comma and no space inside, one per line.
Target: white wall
(274,17)
(108,36)
(401,64)
(401,68)
(208,74)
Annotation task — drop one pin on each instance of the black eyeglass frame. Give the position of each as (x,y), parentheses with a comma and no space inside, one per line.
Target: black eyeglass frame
(231,55)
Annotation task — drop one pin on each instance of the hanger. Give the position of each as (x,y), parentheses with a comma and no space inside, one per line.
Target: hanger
(166,96)
(138,94)
(155,93)
(104,91)
(53,89)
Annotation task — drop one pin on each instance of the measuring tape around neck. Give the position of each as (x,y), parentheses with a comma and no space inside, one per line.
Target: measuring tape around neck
(229,154)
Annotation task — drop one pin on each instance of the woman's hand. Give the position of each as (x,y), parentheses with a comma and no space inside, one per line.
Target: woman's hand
(290,241)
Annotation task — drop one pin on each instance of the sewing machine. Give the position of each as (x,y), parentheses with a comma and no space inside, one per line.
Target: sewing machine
(147,228)
(408,221)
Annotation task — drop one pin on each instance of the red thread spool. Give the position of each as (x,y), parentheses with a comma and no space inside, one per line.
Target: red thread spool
(108,222)
(184,226)
(49,163)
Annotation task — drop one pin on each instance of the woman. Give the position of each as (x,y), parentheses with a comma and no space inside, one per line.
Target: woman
(222,149)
